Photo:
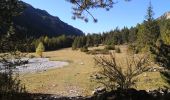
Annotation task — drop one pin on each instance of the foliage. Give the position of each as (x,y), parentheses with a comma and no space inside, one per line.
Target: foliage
(161,53)
(9,59)
(118,36)
(132,34)
(149,32)
(98,51)
(110,47)
(117,50)
(9,84)
(84,5)
(132,48)
(166,76)
(84,49)
(9,9)
(89,40)
(52,43)
(40,49)
(117,77)
(165,31)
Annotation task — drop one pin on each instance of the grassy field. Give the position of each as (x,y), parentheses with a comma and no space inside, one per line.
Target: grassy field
(75,78)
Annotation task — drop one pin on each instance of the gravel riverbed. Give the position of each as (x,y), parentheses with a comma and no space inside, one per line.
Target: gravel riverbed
(39,65)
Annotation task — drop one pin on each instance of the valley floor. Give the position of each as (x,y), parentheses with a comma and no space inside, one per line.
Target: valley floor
(74,79)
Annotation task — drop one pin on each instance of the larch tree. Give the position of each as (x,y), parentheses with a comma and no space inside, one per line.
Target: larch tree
(40,49)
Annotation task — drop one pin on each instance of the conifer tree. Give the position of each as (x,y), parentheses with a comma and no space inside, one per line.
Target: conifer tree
(40,49)
(165,31)
(148,32)
(161,53)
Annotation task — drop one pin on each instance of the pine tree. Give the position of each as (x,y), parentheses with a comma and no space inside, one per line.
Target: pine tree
(40,49)
(132,35)
(125,35)
(165,31)
(148,32)
(161,53)
(75,42)
(9,9)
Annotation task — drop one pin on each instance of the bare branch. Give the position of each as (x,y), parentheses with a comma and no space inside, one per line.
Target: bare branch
(114,73)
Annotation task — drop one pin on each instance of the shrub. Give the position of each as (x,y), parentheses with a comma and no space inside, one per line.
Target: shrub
(117,50)
(98,51)
(132,48)
(115,76)
(84,49)
(110,47)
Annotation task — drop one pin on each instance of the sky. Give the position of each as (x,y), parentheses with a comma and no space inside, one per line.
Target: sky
(122,14)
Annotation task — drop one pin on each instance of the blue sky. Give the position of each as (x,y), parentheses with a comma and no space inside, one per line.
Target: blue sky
(122,14)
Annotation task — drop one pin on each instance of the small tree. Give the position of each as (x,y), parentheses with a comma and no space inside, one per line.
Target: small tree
(40,49)
(115,76)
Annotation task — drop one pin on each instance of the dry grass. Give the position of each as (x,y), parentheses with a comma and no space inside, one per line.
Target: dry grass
(76,76)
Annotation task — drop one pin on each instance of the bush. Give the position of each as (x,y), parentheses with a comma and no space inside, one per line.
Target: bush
(117,77)
(98,51)
(117,50)
(110,47)
(84,49)
(133,49)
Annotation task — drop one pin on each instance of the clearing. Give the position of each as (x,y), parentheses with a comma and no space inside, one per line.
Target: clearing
(74,79)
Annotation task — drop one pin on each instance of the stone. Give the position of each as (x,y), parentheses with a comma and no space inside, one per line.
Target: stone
(154,70)
(99,90)
(145,75)
(81,63)
(94,92)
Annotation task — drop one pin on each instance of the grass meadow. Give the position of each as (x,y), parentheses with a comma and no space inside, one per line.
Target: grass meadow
(76,76)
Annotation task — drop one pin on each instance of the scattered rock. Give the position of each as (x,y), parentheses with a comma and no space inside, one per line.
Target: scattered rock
(81,63)
(34,65)
(157,69)
(145,75)
(96,76)
(54,85)
(99,90)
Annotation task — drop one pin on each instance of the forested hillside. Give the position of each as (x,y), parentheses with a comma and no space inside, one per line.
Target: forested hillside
(36,22)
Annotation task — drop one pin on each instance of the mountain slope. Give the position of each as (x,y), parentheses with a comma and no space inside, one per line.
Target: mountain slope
(165,16)
(36,22)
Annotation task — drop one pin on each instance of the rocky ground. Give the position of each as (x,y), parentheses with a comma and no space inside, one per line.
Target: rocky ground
(39,65)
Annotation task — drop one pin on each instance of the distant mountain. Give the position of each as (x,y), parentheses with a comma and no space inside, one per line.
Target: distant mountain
(165,16)
(37,22)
